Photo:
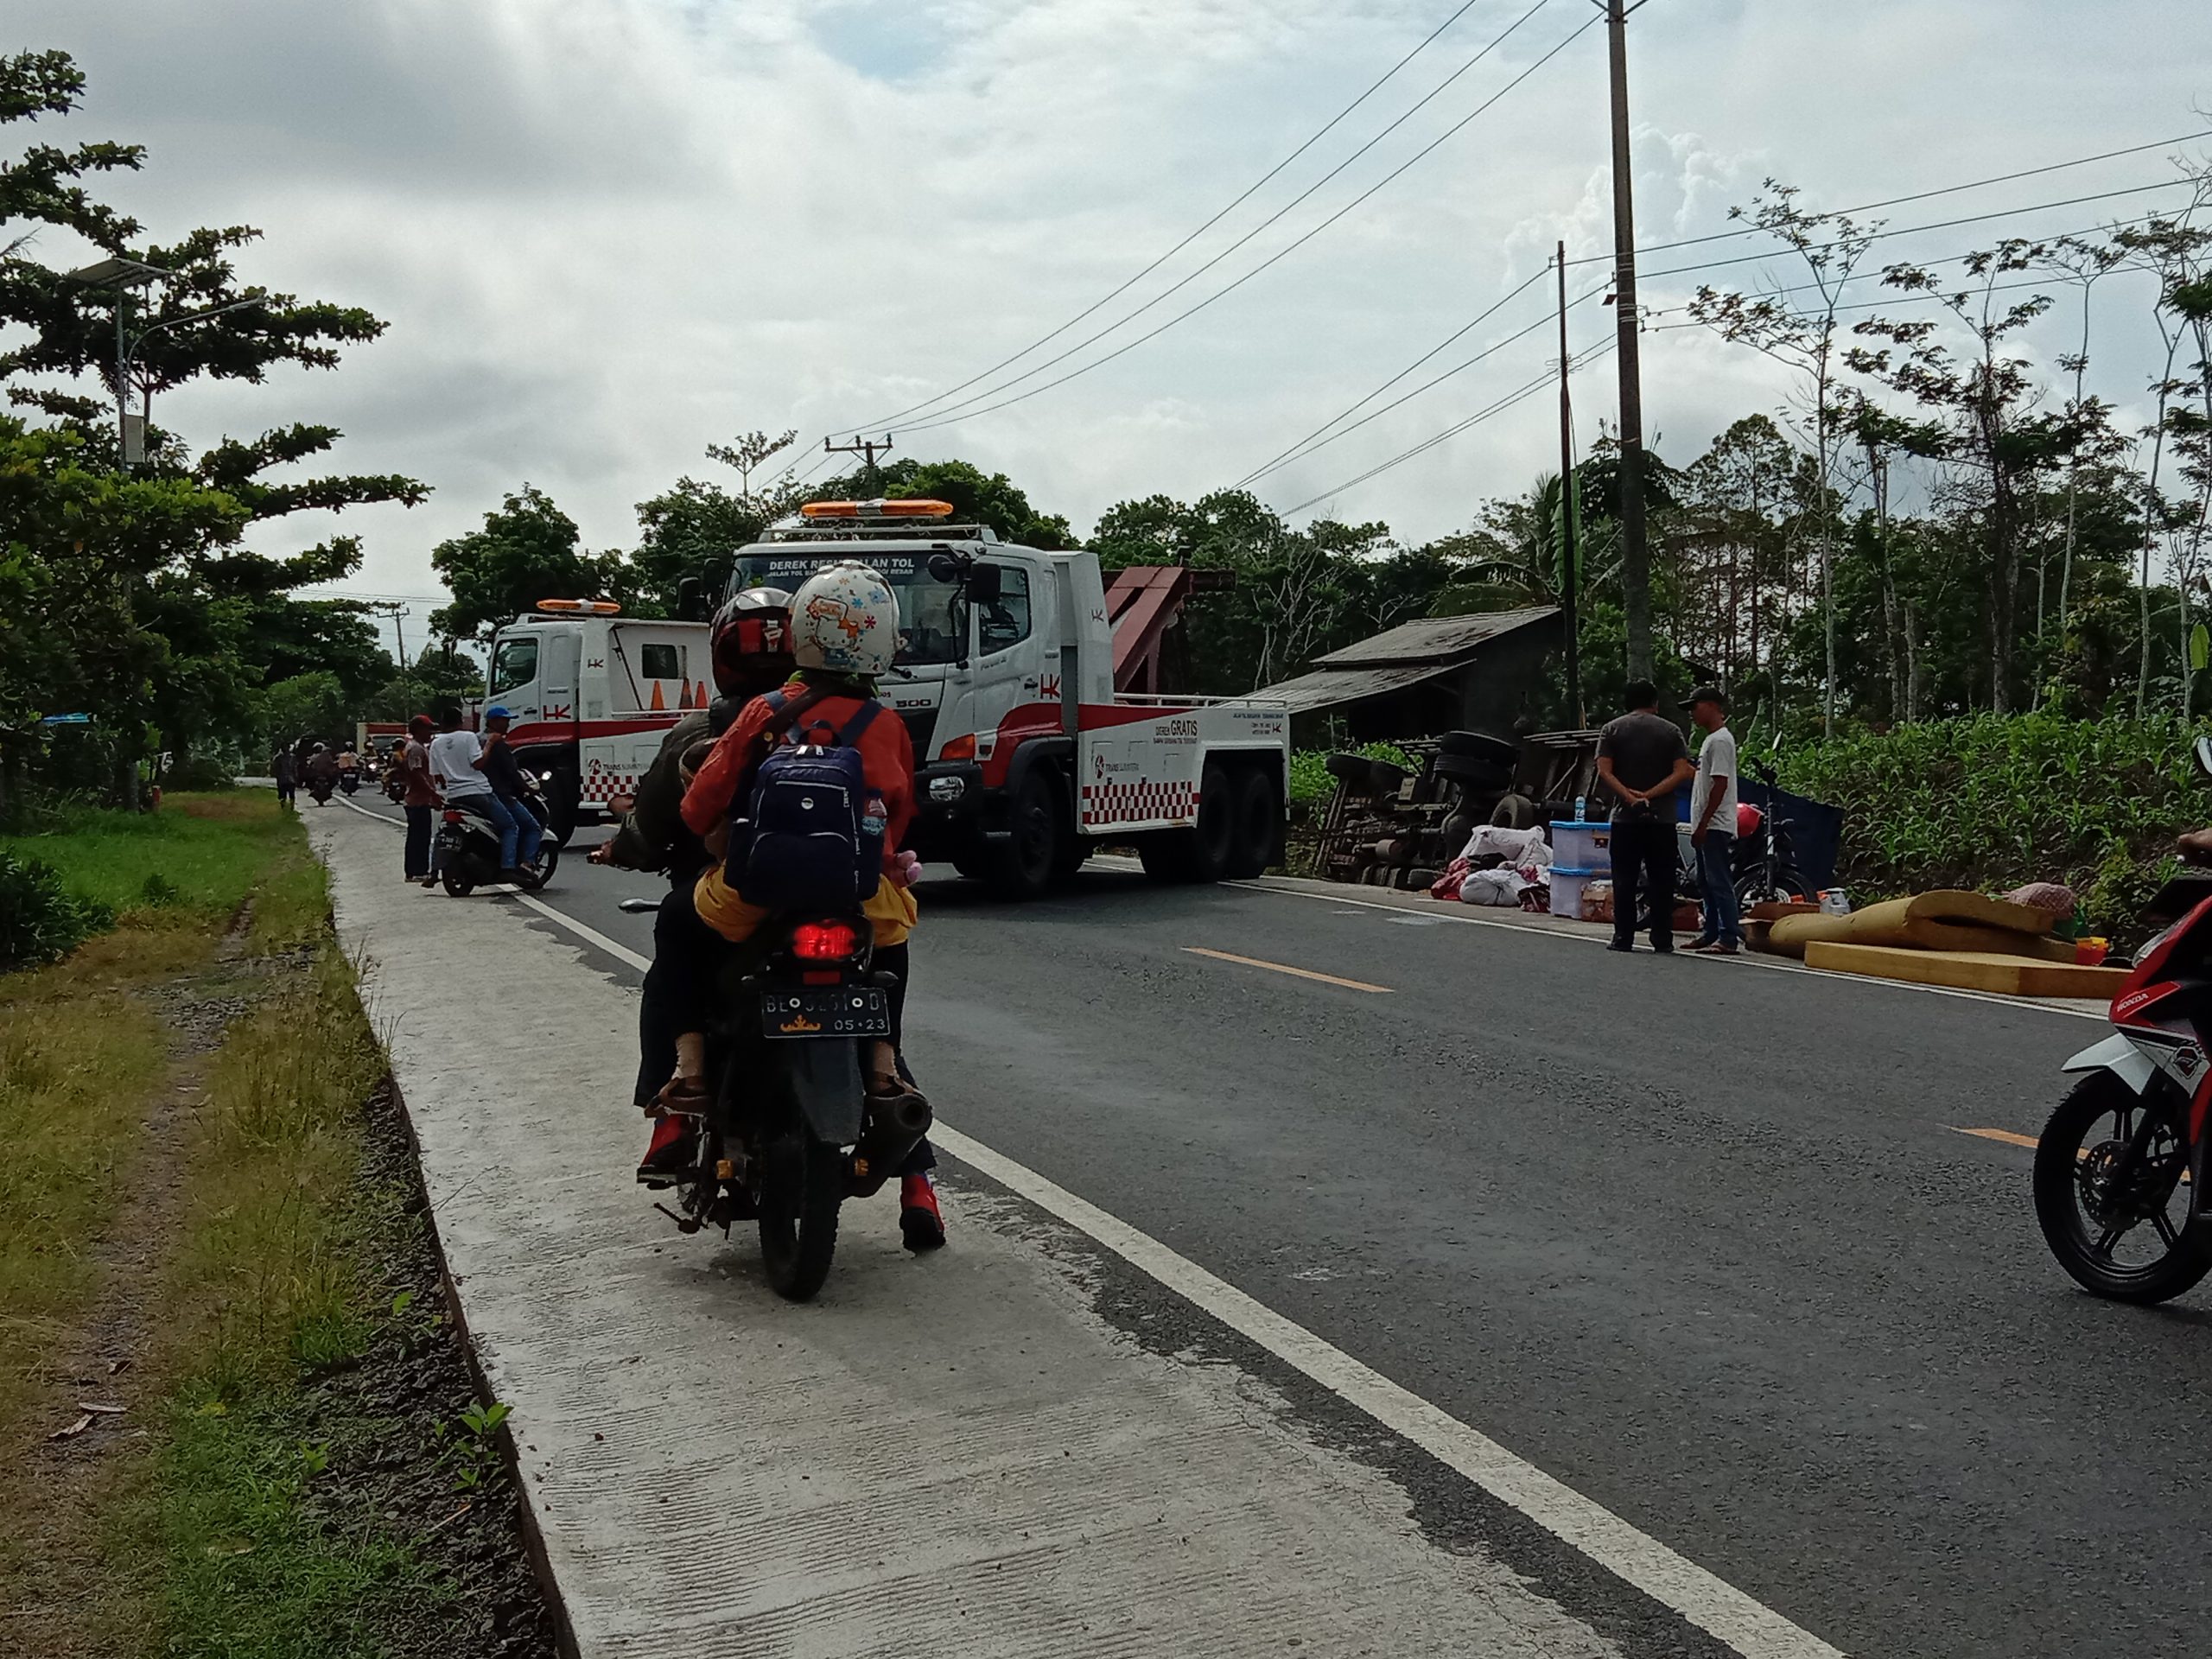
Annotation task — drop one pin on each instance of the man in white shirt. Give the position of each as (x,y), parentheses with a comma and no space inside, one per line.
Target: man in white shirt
(1713,824)
(457,759)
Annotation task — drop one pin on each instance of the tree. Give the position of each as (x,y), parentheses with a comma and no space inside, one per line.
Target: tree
(693,531)
(1994,445)
(1802,332)
(527,550)
(977,498)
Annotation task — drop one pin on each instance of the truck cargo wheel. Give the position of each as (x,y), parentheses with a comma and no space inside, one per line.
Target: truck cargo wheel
(1258,828)
(1515,812)
(1022,867)
(1202,852)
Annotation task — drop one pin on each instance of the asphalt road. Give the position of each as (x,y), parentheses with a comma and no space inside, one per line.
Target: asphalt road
(1703,1240)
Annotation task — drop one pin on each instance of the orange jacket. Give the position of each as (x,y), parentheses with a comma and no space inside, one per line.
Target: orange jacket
(887,759)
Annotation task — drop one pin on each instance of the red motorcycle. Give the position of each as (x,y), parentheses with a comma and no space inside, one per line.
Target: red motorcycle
(2123,1161)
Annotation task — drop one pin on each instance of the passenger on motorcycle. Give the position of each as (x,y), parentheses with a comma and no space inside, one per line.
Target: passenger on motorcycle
(844,634)
(520,832)
(750,655)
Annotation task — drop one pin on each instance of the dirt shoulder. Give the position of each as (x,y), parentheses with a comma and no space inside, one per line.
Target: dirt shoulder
(235,1416)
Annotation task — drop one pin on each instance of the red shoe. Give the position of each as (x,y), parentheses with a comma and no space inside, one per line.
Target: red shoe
(919,1220)
(674,1148)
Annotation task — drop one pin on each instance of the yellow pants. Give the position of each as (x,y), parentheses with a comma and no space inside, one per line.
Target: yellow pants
(892,910)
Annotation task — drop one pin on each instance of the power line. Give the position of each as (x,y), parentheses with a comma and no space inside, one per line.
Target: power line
(1272,462)
(954,410)
(1498,407)
(1248,192)
(1282,253)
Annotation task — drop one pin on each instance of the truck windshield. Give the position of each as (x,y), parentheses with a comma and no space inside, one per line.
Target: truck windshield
(514,662)
(933,618)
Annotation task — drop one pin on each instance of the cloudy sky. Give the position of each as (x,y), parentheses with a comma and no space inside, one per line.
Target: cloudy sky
(608,233)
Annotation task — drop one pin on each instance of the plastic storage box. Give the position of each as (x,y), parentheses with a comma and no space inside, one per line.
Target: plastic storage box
(1566,889)
(1582,846)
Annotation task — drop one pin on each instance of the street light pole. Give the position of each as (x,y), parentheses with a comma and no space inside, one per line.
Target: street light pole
(119,276)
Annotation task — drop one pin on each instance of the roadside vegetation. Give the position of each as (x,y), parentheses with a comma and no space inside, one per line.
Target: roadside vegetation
(238,1421)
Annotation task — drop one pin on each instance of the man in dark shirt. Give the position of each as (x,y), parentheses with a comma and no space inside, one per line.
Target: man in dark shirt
(518,838)
(1643,760)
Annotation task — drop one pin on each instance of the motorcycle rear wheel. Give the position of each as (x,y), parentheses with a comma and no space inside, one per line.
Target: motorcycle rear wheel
(803,1184)
(456,885)
(2085,1220)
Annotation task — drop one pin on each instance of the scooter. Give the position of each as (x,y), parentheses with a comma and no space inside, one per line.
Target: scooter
(318,790)
(348,782)
(791,1131)
(2122,1163)
(468,848)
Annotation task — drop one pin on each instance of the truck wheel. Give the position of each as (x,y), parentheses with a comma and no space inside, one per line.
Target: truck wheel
(1258,826)
(1022,867)
(1202,852)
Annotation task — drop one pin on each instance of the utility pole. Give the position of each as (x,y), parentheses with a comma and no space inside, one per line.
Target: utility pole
(1569,575)
(866,446)
(1636,557)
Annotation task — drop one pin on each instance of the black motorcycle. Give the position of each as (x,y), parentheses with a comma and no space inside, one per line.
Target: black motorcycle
(1764,862)
(468,847)
(348,782)
(791,1132)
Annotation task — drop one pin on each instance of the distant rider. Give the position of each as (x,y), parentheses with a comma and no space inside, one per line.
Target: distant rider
(520,831)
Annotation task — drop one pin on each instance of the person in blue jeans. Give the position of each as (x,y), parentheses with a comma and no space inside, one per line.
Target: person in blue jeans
(519,830)
(1714,799)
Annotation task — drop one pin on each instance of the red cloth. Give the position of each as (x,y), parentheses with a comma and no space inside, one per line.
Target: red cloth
(1748,819)
(414,765)
(887,759)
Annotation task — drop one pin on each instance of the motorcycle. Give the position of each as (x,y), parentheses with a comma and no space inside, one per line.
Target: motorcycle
(348,782)
(791,1132)
(1764,862)
(2122,1164)
(318,790)
(468,847)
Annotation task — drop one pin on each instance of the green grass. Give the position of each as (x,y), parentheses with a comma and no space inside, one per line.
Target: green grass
(1309,768)
(198,857)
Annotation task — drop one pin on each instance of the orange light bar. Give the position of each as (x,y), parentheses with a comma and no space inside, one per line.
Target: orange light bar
(584,607)
(959,748)
(908,509)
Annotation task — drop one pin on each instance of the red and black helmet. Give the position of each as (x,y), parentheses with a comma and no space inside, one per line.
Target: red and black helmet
(752,642)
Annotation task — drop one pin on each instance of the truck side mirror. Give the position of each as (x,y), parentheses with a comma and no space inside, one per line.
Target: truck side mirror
(984,584)
(691,599)
(943,567)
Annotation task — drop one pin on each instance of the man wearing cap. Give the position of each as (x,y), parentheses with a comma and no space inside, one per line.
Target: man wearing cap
(519,830)
(1713,824)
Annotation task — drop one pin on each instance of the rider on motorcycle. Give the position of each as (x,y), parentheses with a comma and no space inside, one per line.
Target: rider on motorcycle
(520,831)
(844,634)
(750,655)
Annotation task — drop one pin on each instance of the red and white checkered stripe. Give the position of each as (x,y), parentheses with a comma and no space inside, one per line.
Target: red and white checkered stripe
(1145,802)
(602,786)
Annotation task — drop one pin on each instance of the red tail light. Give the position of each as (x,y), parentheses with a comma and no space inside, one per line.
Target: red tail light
(825,942)
(454,815)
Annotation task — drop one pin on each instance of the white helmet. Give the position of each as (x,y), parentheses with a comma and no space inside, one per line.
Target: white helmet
(845,619)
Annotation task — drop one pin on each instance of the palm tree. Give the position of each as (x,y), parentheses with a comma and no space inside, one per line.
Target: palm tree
(1518,555)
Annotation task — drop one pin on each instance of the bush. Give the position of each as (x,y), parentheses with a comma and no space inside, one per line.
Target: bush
(39,920)
(199,772)
(1993,801)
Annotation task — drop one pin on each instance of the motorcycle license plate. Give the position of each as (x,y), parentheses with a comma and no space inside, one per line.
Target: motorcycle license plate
(845,1011)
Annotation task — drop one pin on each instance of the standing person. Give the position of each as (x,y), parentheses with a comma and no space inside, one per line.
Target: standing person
(419,797)
(1713,824)
(519,838)
(1643,760)
(286,770)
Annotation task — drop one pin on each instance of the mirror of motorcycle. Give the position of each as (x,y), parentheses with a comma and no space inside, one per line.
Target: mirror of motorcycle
(2203,751)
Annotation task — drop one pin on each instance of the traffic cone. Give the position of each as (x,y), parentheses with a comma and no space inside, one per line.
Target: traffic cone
(683,694)
(659,702)
(700,702)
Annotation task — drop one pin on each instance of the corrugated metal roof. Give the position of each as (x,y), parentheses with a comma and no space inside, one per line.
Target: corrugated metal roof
(1439,639)
(1326,688)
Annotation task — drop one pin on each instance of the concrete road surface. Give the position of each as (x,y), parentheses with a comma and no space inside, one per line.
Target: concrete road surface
(1704,1300)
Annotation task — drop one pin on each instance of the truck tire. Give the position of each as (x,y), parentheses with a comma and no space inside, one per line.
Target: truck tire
(1023,867)
(1202,852)
(1259,826)
(1515,812)
(564,792)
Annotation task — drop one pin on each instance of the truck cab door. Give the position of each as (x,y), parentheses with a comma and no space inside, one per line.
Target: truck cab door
(1009,638)
(557,678)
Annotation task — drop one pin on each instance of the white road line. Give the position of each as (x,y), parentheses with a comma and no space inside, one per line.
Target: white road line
(1758,964)
(1749,1627)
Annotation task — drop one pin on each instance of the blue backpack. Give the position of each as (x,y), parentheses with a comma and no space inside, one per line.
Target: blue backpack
(808,840)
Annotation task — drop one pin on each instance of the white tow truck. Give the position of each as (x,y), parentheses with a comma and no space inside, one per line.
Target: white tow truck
(591,693)
(1027,756)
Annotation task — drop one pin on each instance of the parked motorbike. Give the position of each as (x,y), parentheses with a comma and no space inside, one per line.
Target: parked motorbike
(791,1132)
(1764,862)
(468,848)
(2122,1161)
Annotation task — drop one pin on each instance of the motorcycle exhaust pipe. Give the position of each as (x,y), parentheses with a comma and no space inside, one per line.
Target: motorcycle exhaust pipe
(893,1126)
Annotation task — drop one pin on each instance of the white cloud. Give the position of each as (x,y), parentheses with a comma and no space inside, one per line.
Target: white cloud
(607,232)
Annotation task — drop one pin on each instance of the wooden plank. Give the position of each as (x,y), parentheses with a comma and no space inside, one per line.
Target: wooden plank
(1971,970)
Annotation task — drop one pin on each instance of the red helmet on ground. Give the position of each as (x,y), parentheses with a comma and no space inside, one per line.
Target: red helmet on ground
(752,642)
